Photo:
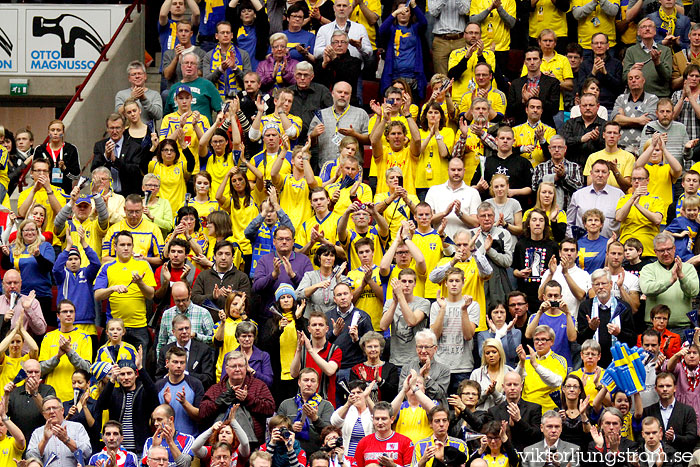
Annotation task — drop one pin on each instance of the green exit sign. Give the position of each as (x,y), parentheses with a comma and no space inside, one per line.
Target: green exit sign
(19,87)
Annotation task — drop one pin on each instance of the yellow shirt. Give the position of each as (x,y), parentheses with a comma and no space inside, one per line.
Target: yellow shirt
(493,29)
(9,452)
(368,301)
(129,306)
(465,83)
(60,377)
(328,227)
(10,368)
(351,239)
(525,135)
(589,385)
(294,199)
(495,97)
(40,197)
(473,286)
(500,460)
(401,158)
(218,167)
(263,161)
(357,16)
(413,422)
(374,171)
(240,218)
(364,193)
(397,211)
(288,346)
(204,209)
(172,181)
(430,244)
(167,129)
(558,65)
(394,274)
(597,21)
(547,16)
(126,351)
(272,119)
(93,234)
(661,183)
(623,159)
(431,168)
(148,239)
(636,225)
(534,389)
(230,342)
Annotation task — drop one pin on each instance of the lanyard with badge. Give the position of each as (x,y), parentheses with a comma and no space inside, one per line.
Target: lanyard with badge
(57,156)
(337,137)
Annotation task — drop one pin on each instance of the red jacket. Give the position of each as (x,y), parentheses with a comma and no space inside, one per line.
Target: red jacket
(670,343)
(259,403)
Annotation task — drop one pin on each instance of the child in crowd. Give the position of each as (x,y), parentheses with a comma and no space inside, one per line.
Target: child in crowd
(116,349)
(685,228)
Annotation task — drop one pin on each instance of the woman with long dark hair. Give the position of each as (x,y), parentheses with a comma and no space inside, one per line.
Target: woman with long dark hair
(437,141)
(576,425)
(172,169)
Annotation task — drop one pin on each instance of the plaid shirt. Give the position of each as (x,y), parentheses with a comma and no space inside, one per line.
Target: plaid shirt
(687,116)
(201,323)
(572,180)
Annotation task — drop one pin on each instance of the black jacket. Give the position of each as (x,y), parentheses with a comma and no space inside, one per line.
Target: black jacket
(145,401)
(627,334)
(131,164)
(549,93)
(527,430)
(671,461)
(200,363)
(684,422)
(70,158)
(573,130)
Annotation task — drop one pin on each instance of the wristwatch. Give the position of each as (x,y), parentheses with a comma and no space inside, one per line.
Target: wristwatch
(438,137)
(406,238)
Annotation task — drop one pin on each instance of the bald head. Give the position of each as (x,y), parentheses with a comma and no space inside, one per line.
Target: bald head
(12,282)
(180,293)
(342,91)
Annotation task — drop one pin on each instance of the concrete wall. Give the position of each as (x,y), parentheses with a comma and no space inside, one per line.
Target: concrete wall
(85,122)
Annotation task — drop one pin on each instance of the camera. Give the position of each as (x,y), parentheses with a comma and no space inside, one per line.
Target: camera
(232,94)
(285,433)
(339,442)
(268,185)
(554,303)
(390,100)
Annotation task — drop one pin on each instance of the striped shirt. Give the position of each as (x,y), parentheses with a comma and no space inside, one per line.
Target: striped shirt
(128,422)
(357,434)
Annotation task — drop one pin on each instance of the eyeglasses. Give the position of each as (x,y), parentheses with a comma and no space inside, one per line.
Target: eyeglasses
(159,460)
(660,251)
(52,409)
(424,347)
(541,339)
(338,42)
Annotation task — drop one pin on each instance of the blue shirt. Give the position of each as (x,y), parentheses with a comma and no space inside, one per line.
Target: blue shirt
(213,12)
(558,324)
(194,392)
(247,39)
(591,254)
(301,37)
(167,36)
(684,245)
(405,44)
(32,276)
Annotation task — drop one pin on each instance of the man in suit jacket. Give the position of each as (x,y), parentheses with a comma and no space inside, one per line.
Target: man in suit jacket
(553,448)
(200,358)
(534,84)
(122,155)
(604,316)
(524,418)
(610,440)
(650,451)
(678,420)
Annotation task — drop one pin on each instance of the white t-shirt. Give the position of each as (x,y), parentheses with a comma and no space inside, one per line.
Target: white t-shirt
(453,351)
(630,282)
(440,196)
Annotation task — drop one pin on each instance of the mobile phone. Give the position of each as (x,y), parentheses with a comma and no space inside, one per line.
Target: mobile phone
(268,184)
(226,107)
(401,180)
(445,85)
(390,101)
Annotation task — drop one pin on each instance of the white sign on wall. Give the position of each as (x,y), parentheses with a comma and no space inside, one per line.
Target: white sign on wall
(55,40)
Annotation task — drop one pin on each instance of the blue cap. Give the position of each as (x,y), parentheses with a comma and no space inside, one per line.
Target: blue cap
(84,199)
(184,87)
(284,289)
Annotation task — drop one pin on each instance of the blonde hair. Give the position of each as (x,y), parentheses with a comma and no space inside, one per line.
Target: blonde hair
(19,245)
(538,203)
(495,343)
(496,177)
(692,201)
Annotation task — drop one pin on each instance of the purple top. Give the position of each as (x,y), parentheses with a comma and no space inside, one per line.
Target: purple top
(259,361)
(267,79)
(683,392)
(265,286)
